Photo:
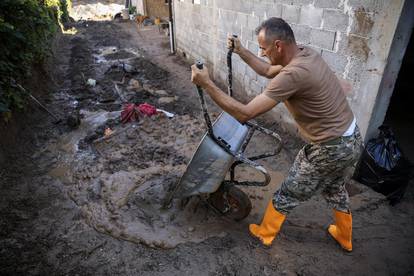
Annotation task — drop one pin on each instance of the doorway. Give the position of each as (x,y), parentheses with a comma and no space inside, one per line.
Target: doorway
(400,113)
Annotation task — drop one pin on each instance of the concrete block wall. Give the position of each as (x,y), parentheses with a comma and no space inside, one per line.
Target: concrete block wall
(353,37)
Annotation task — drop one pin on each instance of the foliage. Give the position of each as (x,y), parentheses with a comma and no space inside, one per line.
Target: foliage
(65,6)
(132,9)
(26,30)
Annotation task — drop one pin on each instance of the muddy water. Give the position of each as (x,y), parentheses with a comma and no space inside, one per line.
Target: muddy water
(121,183)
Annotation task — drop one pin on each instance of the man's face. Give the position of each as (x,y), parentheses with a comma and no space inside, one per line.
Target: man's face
(269,49)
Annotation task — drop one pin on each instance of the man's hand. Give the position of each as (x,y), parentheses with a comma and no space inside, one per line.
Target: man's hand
(200,77)
(234,41)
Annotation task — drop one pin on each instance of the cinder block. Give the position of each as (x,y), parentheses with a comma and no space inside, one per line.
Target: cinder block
(311,16)
(222,36)
(294,2)
(369,5)
(235,29)
(255,87)
(239,67)
(260,9)
(250,73)
(336,62)
(323,39)
(253,47)
(291,13)
(244,6)
(253,22)
(330,4)
(316,49)
(246,84)
(222,75)
(206,13)
(262,81)
(275,10)
(335,20)
(241,19)
(302,33)
(246,35)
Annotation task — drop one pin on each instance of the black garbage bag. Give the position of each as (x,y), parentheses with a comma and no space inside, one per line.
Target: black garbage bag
(383,167)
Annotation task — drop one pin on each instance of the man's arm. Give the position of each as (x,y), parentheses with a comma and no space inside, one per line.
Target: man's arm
(260,66)
(242,112)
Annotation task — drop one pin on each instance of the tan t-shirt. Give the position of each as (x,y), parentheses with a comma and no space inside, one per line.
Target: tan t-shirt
(313,95)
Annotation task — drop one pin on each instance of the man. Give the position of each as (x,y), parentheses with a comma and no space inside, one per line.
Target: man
(313,95)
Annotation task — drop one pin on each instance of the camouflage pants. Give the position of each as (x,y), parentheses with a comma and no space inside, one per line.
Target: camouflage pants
(320,168)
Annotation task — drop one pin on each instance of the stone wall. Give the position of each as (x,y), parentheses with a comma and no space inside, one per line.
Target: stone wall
(354,37)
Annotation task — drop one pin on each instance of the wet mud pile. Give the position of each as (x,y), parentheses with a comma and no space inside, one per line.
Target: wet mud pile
(120,180)
(121,183)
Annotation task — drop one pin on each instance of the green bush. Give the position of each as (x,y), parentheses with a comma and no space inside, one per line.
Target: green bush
(132,9)
(26,30)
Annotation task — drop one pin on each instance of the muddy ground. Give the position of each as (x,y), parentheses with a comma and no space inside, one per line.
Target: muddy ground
(76,203)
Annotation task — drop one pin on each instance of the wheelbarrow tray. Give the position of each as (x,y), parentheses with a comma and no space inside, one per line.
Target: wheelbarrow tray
(210,163)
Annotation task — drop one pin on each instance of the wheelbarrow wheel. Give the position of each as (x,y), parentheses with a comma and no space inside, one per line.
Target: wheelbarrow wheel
(231,202)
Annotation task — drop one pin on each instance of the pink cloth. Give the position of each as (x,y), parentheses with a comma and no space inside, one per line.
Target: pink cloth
(131,112)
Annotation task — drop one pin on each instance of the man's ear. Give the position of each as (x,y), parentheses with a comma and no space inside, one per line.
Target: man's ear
(277,44)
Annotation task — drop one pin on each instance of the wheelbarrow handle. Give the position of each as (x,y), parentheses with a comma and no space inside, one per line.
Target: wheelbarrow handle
(230,68)
(264,130)
(256,166)
(209,125)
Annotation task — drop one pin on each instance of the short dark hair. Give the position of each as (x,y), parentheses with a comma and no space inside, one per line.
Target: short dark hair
(276,28)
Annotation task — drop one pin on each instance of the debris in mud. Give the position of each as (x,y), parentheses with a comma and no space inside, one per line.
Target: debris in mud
(108,132)
(91,82)
(166,113)
(147,109)
(133,84)
(132,112)
(73,120)
(167,100)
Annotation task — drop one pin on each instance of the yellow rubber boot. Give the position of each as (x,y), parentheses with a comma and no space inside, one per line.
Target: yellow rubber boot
(341,231)
(270,227)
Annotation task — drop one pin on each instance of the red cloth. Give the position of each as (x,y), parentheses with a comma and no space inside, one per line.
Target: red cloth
(147,109)
(131,112)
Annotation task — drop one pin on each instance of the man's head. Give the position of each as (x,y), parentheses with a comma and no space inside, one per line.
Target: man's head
(276,39)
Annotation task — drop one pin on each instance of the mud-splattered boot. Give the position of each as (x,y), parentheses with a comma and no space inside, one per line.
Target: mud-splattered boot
(270,226)
(341,231)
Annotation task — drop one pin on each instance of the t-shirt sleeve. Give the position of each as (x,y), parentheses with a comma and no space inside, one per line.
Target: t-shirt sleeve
(281,87)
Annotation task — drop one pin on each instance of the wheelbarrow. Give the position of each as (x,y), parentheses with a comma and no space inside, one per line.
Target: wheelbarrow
(221,150)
